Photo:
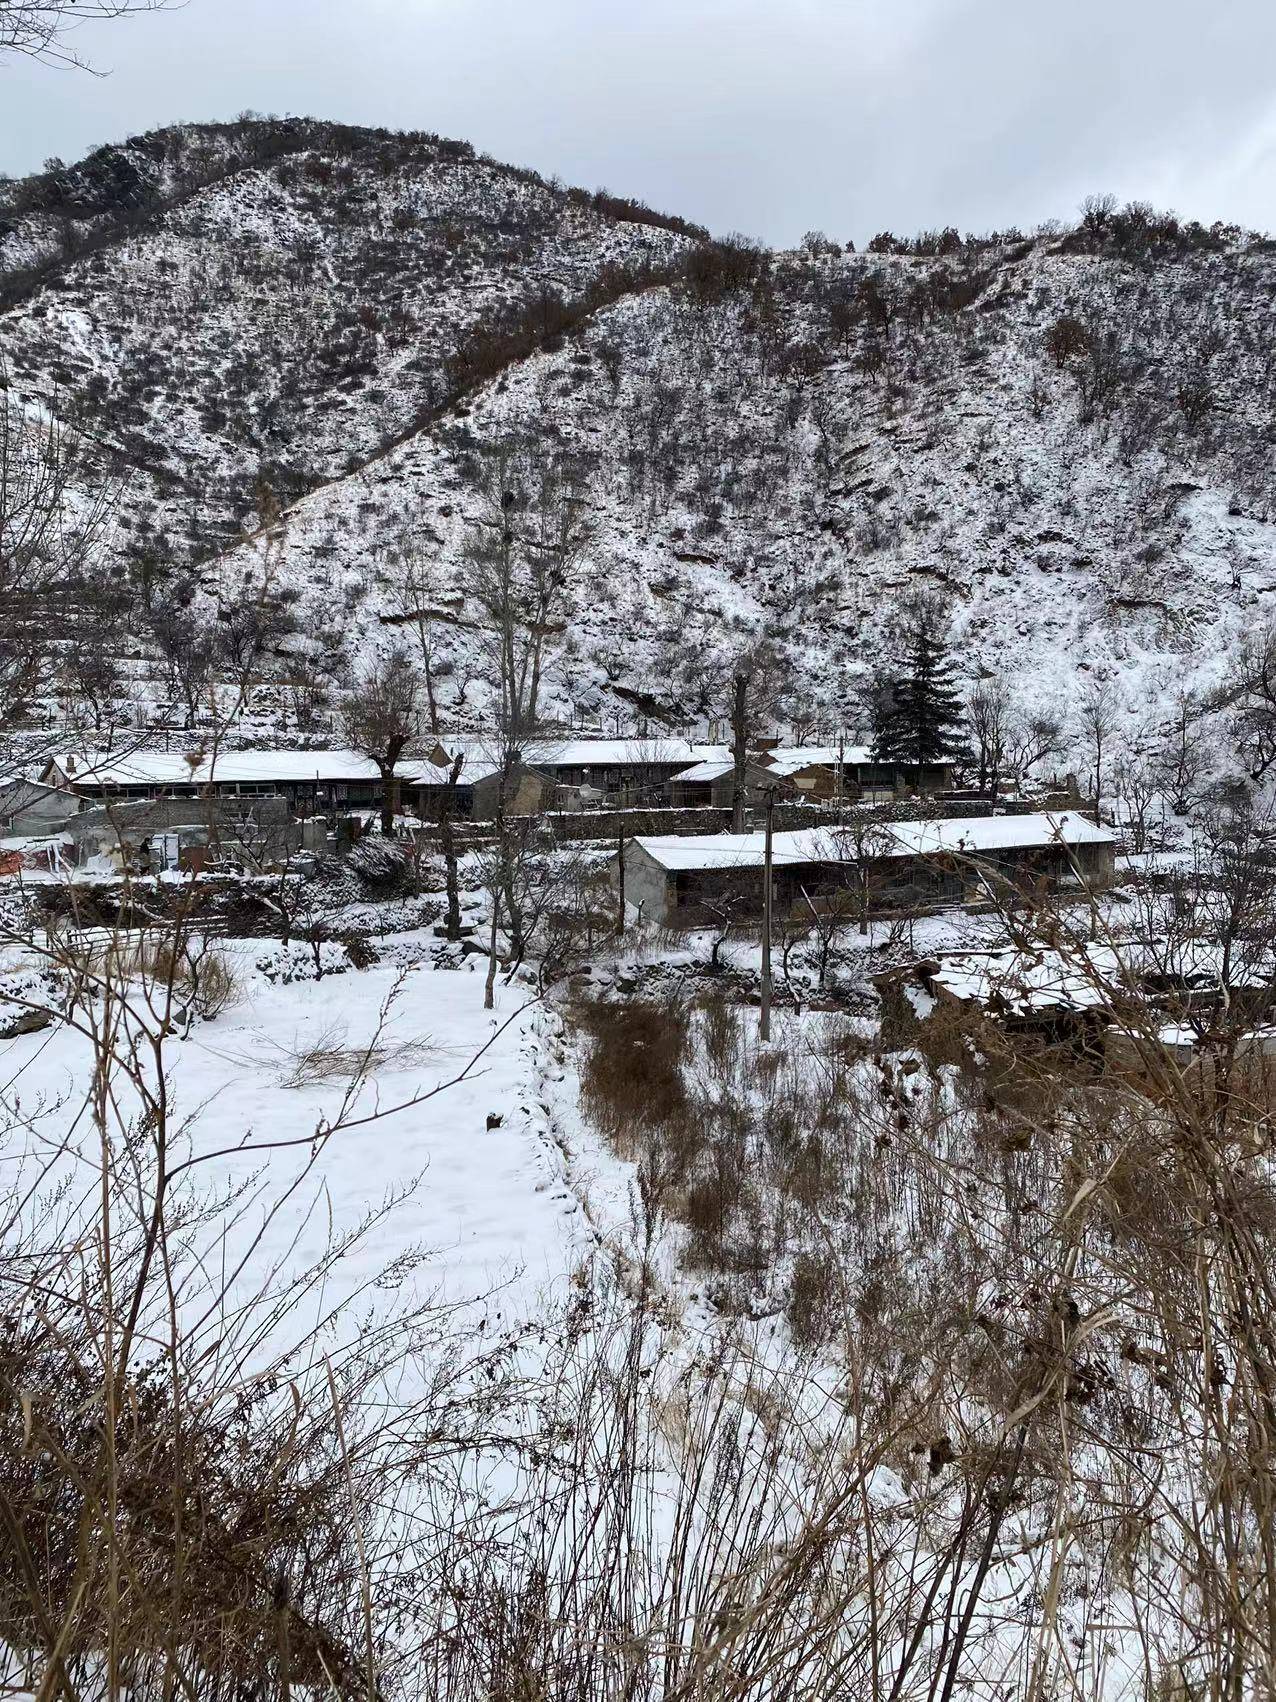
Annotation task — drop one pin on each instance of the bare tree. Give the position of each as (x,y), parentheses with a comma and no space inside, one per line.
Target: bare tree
(55,508)
(1096,722)
(249,628)
(1029,739)
(378,718)
(91,665)
(1137,795)
(420,606)
(447,844)
(529,537)
(1181,758)
(988,716)
(187,642)
(754,683)
(1249,692)
(39,29)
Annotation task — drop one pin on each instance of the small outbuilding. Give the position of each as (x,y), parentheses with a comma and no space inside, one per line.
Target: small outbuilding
(712,783)
(31,807)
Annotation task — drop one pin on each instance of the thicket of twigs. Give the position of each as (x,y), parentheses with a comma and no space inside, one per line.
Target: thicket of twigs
(988,1410)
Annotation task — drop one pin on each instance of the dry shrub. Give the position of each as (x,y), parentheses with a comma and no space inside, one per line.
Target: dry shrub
(225,1498)
(814,1178)
(197,976)
(814,1300)
(331,1058)
(721,1032)
(632,1075)
(214,985)
(950,1036)
(172,966)
(712,1211)
(899,1020)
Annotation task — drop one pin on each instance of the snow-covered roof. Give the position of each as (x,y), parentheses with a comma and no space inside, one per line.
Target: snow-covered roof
(712,769)
(230,768)
(20,786)
(548,752)
(972,835)
(817,756)
(969,836)
(617,753)
(477,766)
(742,850)
(1022,981)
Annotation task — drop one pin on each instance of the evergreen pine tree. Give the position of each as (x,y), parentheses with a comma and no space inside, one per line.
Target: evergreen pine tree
(915,707)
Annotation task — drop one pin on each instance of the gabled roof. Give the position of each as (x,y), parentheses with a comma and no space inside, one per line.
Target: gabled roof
(476,767)
(547,752)
(171,768)
(970,836)
(15,786)
(701,773)
(818,756)
(975,834)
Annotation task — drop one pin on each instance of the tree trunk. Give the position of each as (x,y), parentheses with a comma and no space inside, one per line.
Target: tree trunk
(389,800)
(765,1029)
(447,841)
(489,986)
(620,877)
(739,749)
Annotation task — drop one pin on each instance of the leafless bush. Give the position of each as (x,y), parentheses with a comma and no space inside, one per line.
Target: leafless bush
(331,1058)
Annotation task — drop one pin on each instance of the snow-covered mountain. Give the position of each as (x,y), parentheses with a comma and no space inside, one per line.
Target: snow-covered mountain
(1071,434)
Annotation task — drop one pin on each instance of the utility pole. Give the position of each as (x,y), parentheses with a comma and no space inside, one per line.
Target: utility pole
(620,871)
(765,1027)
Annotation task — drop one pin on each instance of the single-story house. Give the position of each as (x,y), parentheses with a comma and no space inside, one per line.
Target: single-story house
(310,780)
(477,789)
(150,834)
(808,772)
(630,771)
(1051,995)
(620,771)
(1178,1057)
(712,782)
(817,772)
(868,777)
(31,807)
(693,880)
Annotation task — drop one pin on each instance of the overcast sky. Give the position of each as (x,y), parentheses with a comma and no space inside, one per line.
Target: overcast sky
(768,116)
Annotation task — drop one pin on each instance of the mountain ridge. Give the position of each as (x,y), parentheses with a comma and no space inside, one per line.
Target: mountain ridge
(1070,433)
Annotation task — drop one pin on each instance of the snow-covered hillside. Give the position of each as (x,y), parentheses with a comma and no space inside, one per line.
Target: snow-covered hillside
(1070,435)
(744,480)
(243,310)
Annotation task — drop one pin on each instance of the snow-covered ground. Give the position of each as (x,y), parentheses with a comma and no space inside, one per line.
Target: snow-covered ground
(463,1194)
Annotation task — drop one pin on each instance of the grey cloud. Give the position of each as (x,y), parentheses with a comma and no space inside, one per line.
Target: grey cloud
(770,117)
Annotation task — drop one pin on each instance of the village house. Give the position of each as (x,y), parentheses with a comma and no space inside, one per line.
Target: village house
(712,783)
(1176,1058)
(820,773)
(1042,994)
(31,808)
(593,771)
(871,780)
(1150,1012)
(310,780)
(476,793)
(692,881)
(148,835)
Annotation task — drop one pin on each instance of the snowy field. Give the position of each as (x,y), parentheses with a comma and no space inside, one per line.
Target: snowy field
(411,1196)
